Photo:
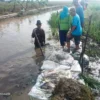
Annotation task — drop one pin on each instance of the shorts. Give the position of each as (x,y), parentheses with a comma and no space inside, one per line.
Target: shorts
(76,39)
(62,36)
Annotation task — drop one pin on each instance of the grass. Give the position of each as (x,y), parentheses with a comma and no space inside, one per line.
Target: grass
(9,7)
(17,5)
(94,33)
(53,25)
(90,81)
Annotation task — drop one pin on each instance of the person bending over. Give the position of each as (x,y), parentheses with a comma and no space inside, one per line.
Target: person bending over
(76,30)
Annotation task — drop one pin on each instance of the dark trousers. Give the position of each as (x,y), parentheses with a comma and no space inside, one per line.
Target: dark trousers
(76,39)
(37,45)
(62,36)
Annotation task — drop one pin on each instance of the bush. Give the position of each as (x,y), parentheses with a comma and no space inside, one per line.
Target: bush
(95,24)
(53,25)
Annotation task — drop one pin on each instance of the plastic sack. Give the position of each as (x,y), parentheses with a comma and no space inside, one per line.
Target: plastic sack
(58,73)
(63,67)
(56,56)
(67,62)
(76,67)
(62,58)
(64,74)
(37,93)
(49,65)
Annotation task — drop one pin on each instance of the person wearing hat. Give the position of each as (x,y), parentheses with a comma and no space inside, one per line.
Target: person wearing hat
(39,32)
(79,11)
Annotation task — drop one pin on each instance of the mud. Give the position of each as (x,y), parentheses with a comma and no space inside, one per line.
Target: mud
(71,90)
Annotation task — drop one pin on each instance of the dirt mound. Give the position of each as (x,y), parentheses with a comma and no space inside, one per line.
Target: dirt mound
(68,89)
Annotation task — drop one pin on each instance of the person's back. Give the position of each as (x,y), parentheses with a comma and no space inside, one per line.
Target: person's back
(64,20)
(76,22)
(64,23)
(79,11)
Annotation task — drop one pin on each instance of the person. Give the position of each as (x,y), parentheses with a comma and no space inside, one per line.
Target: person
(84,4)
(76,30)
(79,11)
(39,32)
(64,23)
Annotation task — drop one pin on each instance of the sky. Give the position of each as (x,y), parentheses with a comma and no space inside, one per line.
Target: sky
(60,0)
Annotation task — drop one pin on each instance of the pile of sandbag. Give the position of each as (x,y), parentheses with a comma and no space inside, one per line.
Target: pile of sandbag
(59,65)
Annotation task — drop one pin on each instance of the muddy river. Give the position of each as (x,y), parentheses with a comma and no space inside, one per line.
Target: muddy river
(19,64)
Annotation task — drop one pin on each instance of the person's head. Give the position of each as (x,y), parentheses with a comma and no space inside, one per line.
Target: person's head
(76,2)
(64,13)
(65,9)
(38,24)
(72,11)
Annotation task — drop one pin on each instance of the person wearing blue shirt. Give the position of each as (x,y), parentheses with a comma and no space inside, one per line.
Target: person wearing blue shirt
(79,11)
(76,30)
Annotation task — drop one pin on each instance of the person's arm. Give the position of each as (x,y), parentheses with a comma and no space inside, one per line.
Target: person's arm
(43,36)
(74,25)
(70,31)
(73,28)
(33,35)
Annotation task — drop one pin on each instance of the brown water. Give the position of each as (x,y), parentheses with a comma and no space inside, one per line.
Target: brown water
(18,61)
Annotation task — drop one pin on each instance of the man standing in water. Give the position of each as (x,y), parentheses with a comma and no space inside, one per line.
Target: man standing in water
(39,35)
(79,11)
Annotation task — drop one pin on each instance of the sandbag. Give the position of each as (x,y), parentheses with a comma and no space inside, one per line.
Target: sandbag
(49,65)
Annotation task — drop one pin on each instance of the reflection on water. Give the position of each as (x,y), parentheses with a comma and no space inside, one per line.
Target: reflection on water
(38,56)
(15,35)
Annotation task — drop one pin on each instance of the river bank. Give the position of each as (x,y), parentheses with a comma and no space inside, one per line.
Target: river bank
(30,12)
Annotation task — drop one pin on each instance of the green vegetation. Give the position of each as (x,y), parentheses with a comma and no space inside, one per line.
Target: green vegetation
(94,34)
(53,25)
(90,81)
(17,5)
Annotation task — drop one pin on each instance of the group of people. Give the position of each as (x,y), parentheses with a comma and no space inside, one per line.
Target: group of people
(70,24)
